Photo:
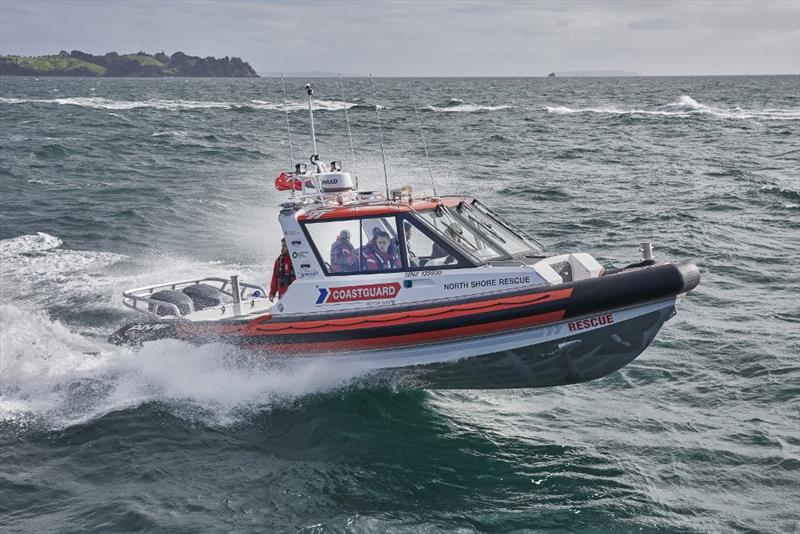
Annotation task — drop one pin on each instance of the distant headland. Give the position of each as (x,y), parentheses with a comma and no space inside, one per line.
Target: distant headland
(592,74)
(138,65)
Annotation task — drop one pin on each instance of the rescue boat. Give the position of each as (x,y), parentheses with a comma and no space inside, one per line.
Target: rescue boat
(440,290)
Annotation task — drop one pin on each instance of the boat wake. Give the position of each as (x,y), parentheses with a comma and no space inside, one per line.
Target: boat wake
(55,378)
(686,106)
(56,375)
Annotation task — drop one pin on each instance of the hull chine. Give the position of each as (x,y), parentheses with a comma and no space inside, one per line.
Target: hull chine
(565,360)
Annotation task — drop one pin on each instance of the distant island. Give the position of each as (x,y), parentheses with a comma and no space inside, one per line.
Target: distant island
(309,74)
(591,73)
(138,65)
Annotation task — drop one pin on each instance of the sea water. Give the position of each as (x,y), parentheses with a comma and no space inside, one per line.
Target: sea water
(107,184)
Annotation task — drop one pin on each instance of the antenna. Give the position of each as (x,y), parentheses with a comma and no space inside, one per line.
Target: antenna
(347,120)
(288,133)
(311,114)
(380,132)
(424,144)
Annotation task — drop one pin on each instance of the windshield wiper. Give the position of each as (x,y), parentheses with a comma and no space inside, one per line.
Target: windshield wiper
(486,226)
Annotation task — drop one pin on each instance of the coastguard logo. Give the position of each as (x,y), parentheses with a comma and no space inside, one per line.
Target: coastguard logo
(358,293)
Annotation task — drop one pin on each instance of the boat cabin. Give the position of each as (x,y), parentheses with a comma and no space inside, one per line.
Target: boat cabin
(447,233)
(406,249)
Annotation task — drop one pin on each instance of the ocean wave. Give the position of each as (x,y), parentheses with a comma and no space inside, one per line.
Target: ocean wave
(177,105)
(686,106)
(464,108)
(41,254)
(322,105)
(26,244)
(105,103)
(35,268)
(171,133)
(784,192)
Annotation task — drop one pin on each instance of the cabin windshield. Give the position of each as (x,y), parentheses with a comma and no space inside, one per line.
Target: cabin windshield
(512,239)
(479,232)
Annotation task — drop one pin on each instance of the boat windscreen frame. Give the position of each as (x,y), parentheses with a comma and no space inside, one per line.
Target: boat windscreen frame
(462,261)
(536,246)
(489,242)
(470,213)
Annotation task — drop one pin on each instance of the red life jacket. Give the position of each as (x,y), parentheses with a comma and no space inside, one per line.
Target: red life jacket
(375,261)
(282,275)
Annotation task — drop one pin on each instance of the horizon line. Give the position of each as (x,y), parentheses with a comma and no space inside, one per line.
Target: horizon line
(269,74)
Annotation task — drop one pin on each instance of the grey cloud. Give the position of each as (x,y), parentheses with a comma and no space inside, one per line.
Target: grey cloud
(656,23)
(435,38)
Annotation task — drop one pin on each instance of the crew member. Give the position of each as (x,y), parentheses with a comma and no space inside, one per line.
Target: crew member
(413,261)
(454,232)
(343,254)
(282,273)
(379,256)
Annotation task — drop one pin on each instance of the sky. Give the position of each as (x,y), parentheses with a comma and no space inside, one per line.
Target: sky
(426,38)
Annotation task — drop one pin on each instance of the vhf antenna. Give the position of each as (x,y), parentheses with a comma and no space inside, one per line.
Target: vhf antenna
(424,144)
(380,132)
(347,120)
(288,134)
(311,114)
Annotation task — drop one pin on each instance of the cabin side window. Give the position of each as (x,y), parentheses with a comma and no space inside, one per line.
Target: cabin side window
(357,245)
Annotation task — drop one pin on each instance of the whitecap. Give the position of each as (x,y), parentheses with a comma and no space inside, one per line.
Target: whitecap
(175,105)
(170,133)
(466,108)
(36,269)
(25,244)
(686,106)
(105,103)
(40,255)
(325,105)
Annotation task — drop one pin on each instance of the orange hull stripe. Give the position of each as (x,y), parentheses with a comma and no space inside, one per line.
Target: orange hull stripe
(259,326)
(406,340)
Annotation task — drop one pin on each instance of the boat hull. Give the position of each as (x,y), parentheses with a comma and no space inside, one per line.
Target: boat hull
(549,355)
(559,359)
(560,335)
